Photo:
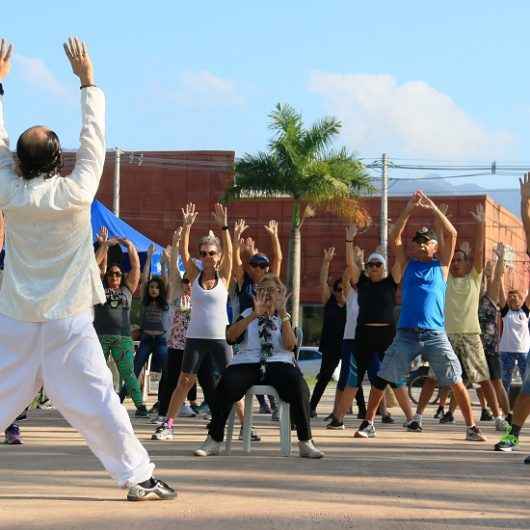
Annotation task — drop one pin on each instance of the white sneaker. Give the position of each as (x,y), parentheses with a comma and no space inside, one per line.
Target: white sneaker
(365,430)
(308,450)
(209,448)
(501,424)
(186,412)
(157,420)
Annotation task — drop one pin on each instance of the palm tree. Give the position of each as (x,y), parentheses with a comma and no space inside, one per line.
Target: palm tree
(301,165)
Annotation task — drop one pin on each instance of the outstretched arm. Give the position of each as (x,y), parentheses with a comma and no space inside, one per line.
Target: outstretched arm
(325,291)
(188,218)
(175,281)
(498,278)
(525,207)
(146,272)
(352,265)
(6,158)
(220,216)
(91,155)
(478,244)
(277,255)
(133,278)
(237,262)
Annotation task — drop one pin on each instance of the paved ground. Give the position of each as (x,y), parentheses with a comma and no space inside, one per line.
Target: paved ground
(398,480)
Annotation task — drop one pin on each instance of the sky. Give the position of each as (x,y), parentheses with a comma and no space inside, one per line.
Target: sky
(446,81)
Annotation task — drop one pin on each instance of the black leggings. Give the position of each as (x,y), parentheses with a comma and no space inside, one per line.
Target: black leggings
(168,382)
(284,377)
(330,361)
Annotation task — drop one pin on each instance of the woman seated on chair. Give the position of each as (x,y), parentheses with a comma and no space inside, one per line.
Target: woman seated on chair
(265,343)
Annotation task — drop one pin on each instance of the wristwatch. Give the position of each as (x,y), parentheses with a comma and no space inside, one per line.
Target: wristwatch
(1,89)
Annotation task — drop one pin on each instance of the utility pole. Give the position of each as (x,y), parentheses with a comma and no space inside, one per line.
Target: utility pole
(116,183)
(383,232)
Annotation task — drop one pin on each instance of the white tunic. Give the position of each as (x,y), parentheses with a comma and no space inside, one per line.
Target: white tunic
(209,316)
(352,313)
(50,268)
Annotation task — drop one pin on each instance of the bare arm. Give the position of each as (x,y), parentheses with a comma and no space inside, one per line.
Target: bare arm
(325,291)
(525,207)
(188,218)
(146,272)
(288,335)
(277,256)
(220,215)
(352,264)
(234,331)
(478,244)
(133,278)
(239,271)
(175,281)
(498,278)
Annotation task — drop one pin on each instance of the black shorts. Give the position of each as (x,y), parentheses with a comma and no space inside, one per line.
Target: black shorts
(215,351)
(494,365)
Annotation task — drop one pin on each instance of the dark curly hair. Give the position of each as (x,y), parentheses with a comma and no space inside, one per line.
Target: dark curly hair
(161,299)
(109,267)
(39,153)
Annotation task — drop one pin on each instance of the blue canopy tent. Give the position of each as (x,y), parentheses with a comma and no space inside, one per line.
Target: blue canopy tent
(102,216)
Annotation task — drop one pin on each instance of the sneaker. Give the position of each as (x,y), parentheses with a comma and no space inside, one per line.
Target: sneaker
(254,436)
(164,432)
(473,434)
(12,434)
(387,418)
(439,413)
(308,450)
(507,442)
(209,448)
(335,425)
(186,412)
(22,416)
(275,415)
(154,408)
(157,420)
(329,417)
(413,425)
(486,415)
(447,417)
(501,424)
(527,460)
(159,490)
(365,430)
(264,409)
(45,405)
(141,412)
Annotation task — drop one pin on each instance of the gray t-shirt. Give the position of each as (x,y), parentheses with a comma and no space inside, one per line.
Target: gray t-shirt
(114,317)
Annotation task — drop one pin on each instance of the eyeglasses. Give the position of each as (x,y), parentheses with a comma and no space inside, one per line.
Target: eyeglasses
(376,264)
(114,273)
(203,253)
(261,265)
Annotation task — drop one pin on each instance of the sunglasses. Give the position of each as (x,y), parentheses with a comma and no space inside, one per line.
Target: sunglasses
(376,264)
(114,273)
(260,265)
(203,253)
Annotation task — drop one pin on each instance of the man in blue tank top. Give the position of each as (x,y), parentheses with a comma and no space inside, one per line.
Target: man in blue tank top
(421,329)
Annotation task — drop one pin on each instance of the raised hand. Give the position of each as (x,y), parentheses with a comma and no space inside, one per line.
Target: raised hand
(351,232)
(358,256)
(166,254)
(272,228)
(151,250)
(479,214)
(488,270)
(77,53)
(329,254)
(239,227)
(6,50)
(466,248)
(177,234)
(189,215)
(260,302)
(500,250)
(414,202)
(220,215)
(281,301)
(524,184)
(103,235)
(425,202)
(249,246)
(444,208)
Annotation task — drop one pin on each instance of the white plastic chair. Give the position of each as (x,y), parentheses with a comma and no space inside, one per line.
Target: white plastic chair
(285,420)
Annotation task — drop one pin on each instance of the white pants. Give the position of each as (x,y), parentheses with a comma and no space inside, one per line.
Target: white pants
(65,357)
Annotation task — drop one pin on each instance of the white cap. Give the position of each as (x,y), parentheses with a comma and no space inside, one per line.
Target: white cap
(375,256)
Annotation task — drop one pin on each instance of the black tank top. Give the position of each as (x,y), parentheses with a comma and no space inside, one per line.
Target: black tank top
(332,326)
(377,300)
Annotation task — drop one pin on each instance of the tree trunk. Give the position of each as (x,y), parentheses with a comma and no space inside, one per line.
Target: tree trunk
(294,265)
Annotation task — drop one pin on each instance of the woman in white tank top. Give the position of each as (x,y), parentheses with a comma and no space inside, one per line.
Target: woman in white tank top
(206,352)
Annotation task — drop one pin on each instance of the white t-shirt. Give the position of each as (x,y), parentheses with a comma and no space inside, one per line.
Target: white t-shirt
(515,334)
(352,313)
(249,349)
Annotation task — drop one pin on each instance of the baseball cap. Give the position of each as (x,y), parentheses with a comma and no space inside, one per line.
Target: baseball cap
(425,234)
(259,259)
(376,257)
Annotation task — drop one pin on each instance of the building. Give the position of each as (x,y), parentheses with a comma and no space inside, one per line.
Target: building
(155,187)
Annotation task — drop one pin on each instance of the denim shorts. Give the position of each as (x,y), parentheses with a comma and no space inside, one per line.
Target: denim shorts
(432,345)
(525,388)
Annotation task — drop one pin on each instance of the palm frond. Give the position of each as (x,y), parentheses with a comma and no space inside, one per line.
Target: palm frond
(319,136)
(285,117)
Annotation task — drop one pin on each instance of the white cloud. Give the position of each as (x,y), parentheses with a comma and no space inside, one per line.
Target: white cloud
(204,89)
(412,118)
(35,72)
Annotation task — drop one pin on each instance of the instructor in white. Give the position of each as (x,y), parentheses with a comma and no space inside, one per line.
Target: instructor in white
(51,283)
